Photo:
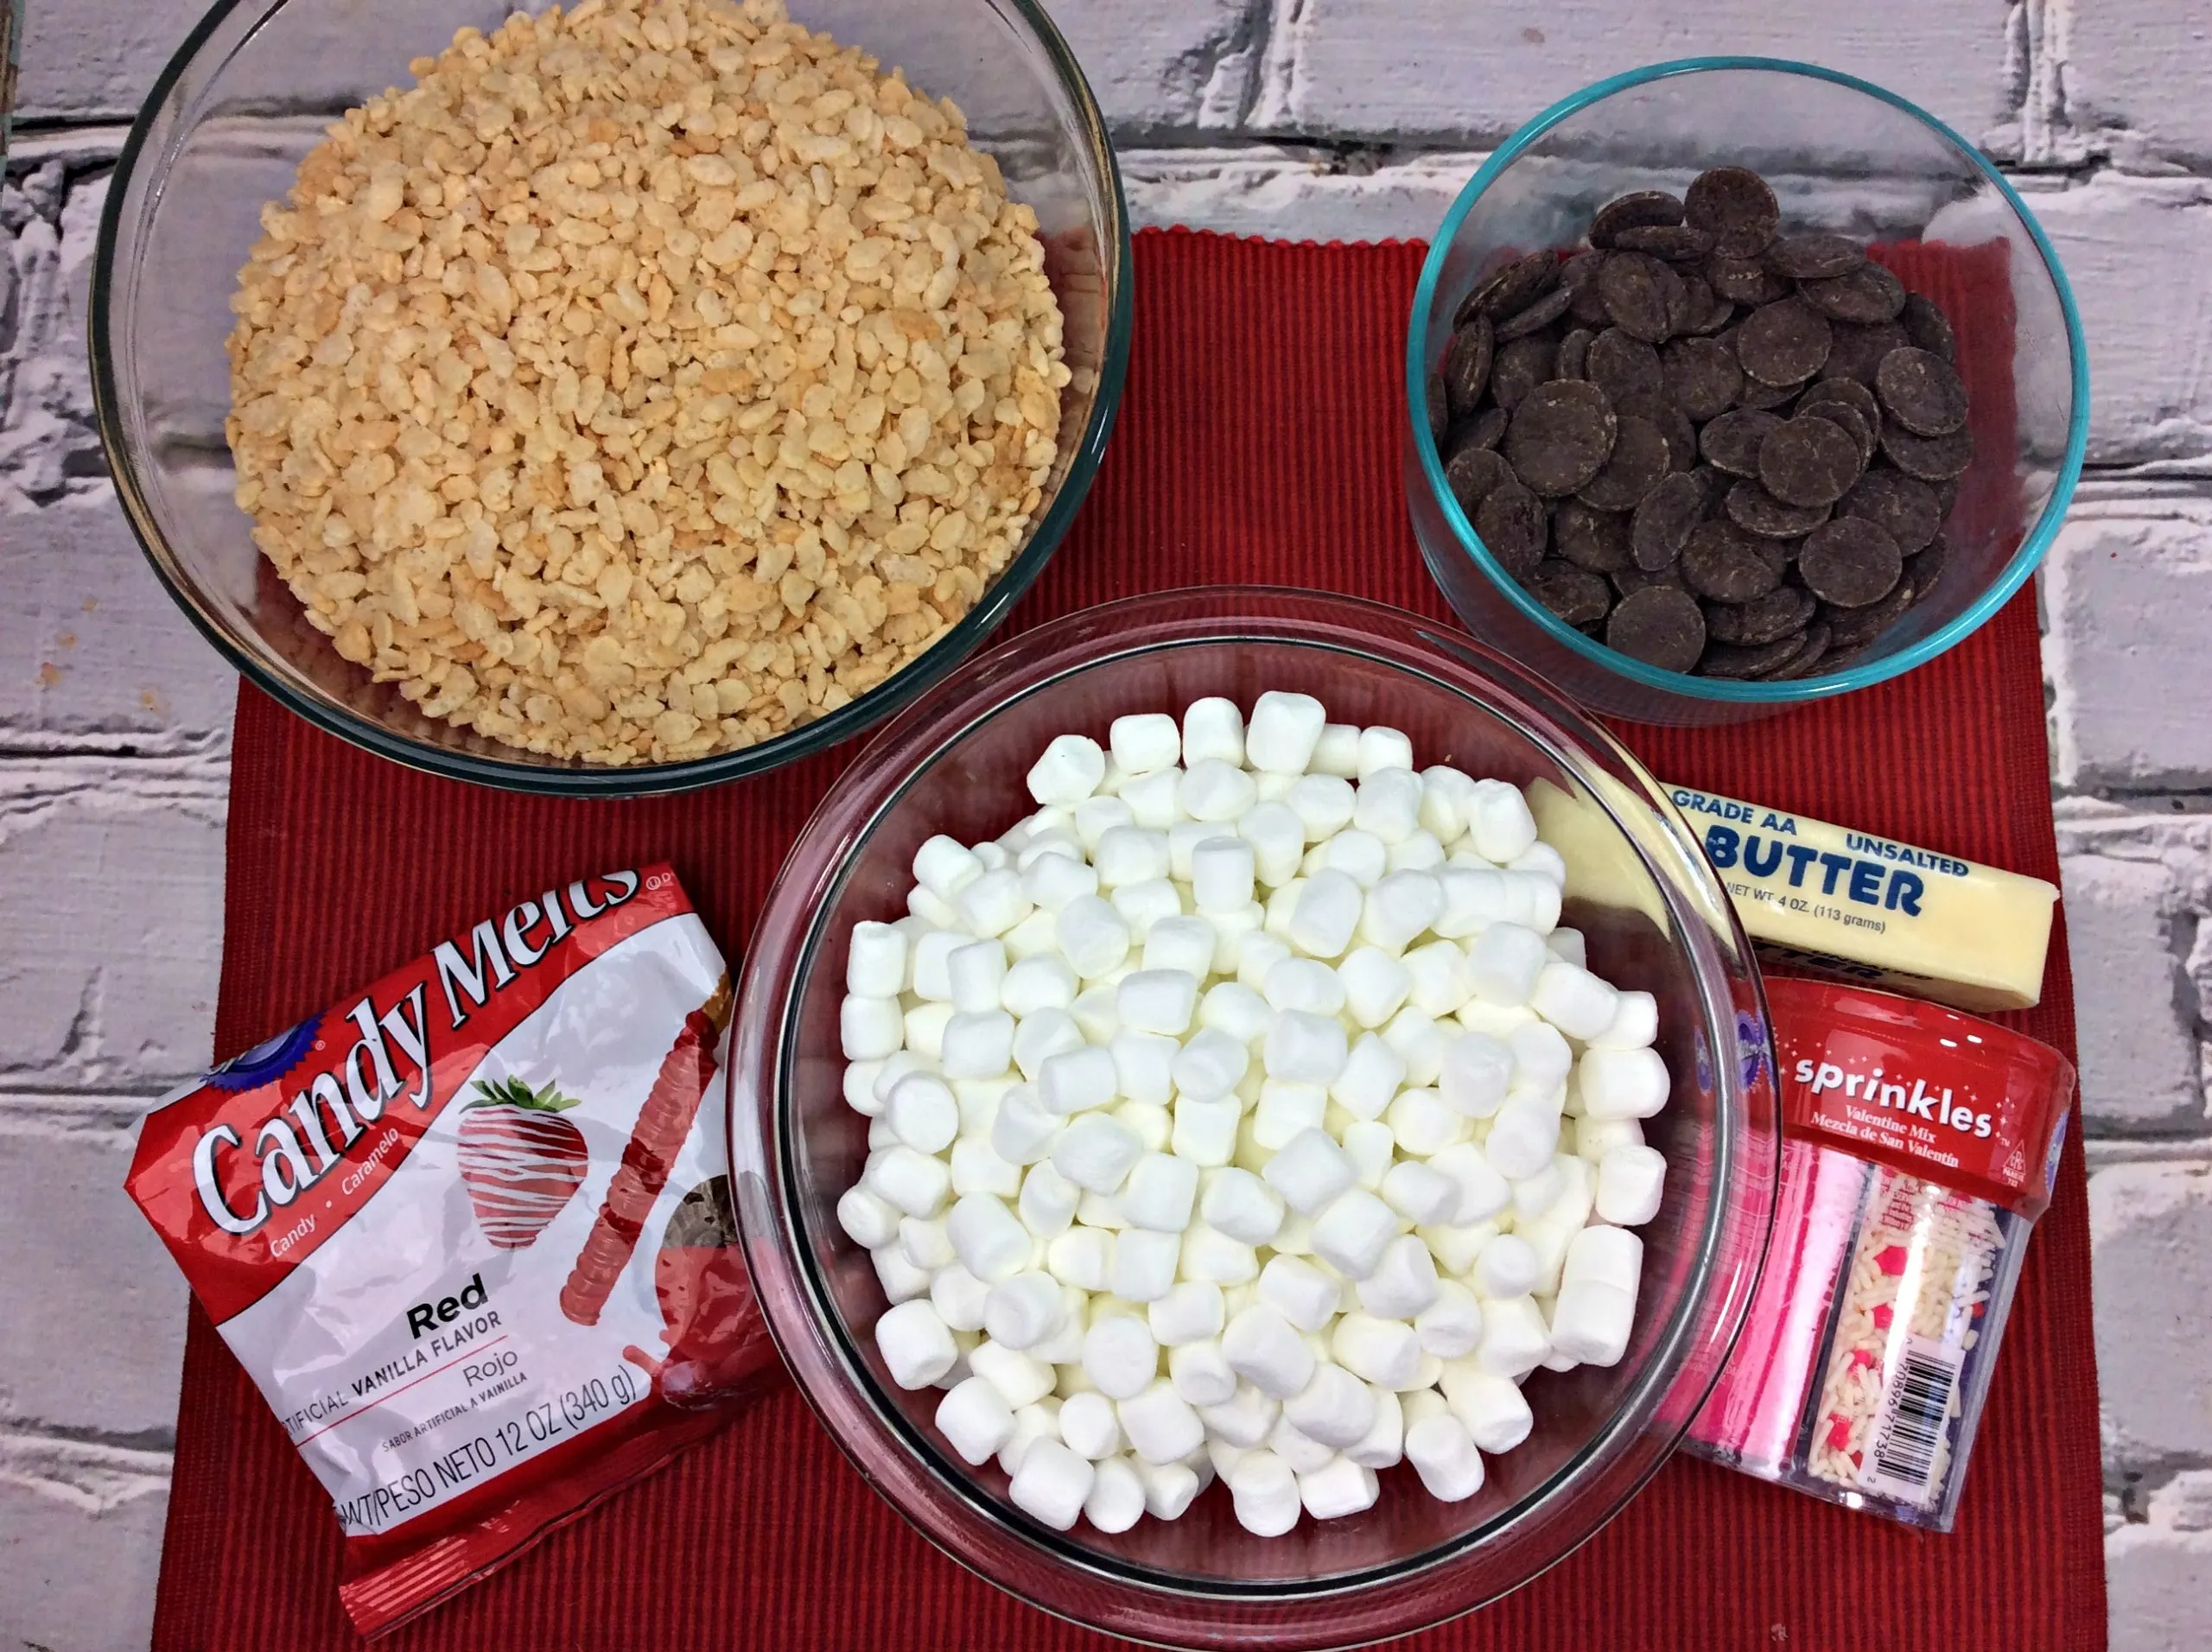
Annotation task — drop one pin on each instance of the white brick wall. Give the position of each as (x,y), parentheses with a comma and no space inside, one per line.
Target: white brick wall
(1322,118)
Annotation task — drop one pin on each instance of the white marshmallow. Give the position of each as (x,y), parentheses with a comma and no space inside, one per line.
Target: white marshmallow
(933,911)
(1388,804)
(1095,1151)
(1326,912)
(1523,1136)
(1068,772)
(1213,728)
(1370,1078)
(1541,860)
(1304,1049)
(1232,1007)
(925,1026)
(1455,1248)
(1209,1254)
(1604,1255)
(1277,835)
(1120,1355)
(1372,1147)
(1158,1000)
(1264,1494)
(1128,855)
(1534,1195)
(1420,1193)
(1499,825)
(1445,794)
(901,1278)
(1310,1171)
(1117,1496)
(1571,945)
(1180,943)
(923,1114)
(1442,981)
(1051,1485)
(1097,816)
(1190,1312)
(979,1045)
(1351,1234)
(859,1083)
(1514,1340)
(1422,1042)
(1360,856)
(1573,1000)
(1023,1310)
(944,867)
(1205,1132)
(1048,1201)
(1153,800)
(1424,1123)
(1595,1137)
(913,1183)
(1299,1292)
(1504,961)
(1483,1191)
(1477,1069)
(1160,1192)
(868,1029)
(875,960)
(916,1343)
(868,1220)
(1623,1083)
(1492,1407)
(1334,1408)
(1244,1420)
(1094,938)
(1215,791)
(1169,1488)
(1223,872)
(1323,805)
(1542,1056)
(994,903)
(1507,1267)
(1382,748)
(1267,1350)
(1403,1283)
(975,973)
(1077,1080)
(975,1420)
(1160,1424)
(1285,729)
(1143,1065)
(1145,742)
(1376,985)
(1304,985)
(1022,1132)
(1145,1263)
(1243,1206)
(1053,880)
(1631,1179)
(1400,907)
(1385,1352)
(1038,1038)
(989,1240)
(1338,750)
(1201,1373)
(1083,1257)
(1032,1422)
(1038,983)
(1635,1023)
(1452,1326)
(1021,1379)
(1284,1109)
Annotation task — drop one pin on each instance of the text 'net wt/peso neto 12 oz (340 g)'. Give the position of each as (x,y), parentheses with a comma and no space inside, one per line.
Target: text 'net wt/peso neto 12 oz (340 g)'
(469,1231)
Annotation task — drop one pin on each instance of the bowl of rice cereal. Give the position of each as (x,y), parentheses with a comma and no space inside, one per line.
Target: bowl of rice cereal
(615,400)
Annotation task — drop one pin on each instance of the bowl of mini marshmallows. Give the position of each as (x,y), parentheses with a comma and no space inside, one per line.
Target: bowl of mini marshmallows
(613,398)
(1251,1119)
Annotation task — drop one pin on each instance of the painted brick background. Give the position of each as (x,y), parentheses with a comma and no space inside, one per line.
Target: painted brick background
(1322,118)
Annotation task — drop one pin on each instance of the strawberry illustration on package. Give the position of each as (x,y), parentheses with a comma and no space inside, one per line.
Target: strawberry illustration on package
(468,1230)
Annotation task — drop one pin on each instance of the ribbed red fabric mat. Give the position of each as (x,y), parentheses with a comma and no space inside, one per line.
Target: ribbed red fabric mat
(1259,442)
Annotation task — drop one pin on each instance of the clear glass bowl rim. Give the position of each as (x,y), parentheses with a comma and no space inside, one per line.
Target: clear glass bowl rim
(1054,1572)
(885,700)
(2015,572)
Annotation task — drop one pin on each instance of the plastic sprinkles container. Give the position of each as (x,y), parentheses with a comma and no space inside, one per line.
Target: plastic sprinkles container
(1921,1146)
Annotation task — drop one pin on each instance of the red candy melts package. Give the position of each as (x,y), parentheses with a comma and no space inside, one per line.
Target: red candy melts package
(469,1230)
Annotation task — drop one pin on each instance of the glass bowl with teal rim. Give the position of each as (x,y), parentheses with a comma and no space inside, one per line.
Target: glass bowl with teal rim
(224,132)
(1844,156)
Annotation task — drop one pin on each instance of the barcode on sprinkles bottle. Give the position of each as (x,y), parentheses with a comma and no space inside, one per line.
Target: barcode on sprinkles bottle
(1909,1445)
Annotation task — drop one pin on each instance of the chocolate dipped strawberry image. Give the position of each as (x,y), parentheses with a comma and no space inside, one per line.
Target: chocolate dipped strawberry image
(520,1160)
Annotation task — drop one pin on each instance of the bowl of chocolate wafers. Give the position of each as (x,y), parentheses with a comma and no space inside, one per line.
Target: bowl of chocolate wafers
(1736,384)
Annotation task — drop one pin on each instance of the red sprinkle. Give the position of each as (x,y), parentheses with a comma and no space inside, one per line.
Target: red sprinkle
(1863,1359)
(1892,1261)
(1839,1431)
(1883,1315)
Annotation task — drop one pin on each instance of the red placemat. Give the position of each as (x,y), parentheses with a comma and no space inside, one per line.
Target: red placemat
(1259,442)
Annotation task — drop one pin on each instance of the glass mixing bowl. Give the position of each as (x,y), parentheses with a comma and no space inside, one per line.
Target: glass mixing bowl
(250,93)
(1842,156)
(1655,917)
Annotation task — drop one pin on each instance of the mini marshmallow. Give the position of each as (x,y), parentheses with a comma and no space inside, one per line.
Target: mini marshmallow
(1145,742)
(1326,912)
(1128,855)
(1215,791)
(1499,825)
(1323,805)
(1424,1123)
(1160,1424)
(1534,1195)
(1542,861)
(1285,729)
(1160,1192)
(916,1343)
(1341,1487)
(1441,978)
(1222,873)
(879,1136)
(1383,1444)
(1264,1494)
(1382,748)
(1266,1350)
(1452,1326)
(1477,1069)
(902,1279)
(1094,938)
(944,867)
(1277,835)
(1337,751)
(933,911)
(1040,1421)
(1507,1267)
(1083,1257)
(1492,1407)
(1120,1355)
(1245,1419)
(1242,1205)
(1403,1283)
(1153,800)
(1418,851)
(925,1027)
(868,1221)
(1422,1042)
(1523,1136)
(1255,955)
(1631,1179)
(1143,1065)
(923,1114)
(1634,1025)
(975,1420)
(875,960)
(1372,1077)
(1022,1132)
(1385,1352)
(1052,880)
(1420,1193)
(975,974)
(1570,945)
(1048,1201)
(994,903)
(1304,1049)
(1068,772)
(1388,805)
(1075,1080)
(1190,1312)
(1371,1147)
(1098,1016)
(1622,1084)
(1334,1408)
(1282,903)
(1573,1000)
(1205,1132)
(1158,1000)
(1201,1373)
(1445,794)
(868,1029)
(1595,1137)
(1038,983)
(1209,1254)
(1455,1248)
(1232,1007)
(1038,1038)
(1376,985)
(979,1045)
(1310,1171)
(1360,856)
(1097,816)
(1542,1056)
(1399,906)
(1095,1151)
(1351,1234)
(1145,1263)
(1304,985)
(989,1240)
(1213,728)
(1023,1310)
(1169,1488)
(1117,1495)
(1180,943)
(859,1083)
(1021,1379)
(1299,1292)
(1284,1108)
(1514,1340)
(915,1183)
(1504,961)
(1483,1191)
(1051,1484)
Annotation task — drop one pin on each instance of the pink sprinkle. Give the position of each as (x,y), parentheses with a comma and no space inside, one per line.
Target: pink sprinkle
(1839,1431)
(1892,1261)
(1883,1315)
(1863,1359)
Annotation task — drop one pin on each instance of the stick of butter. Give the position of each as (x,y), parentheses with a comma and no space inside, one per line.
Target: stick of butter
(1820,898)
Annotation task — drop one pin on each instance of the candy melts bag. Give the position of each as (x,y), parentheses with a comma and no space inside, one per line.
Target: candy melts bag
(469,1230)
